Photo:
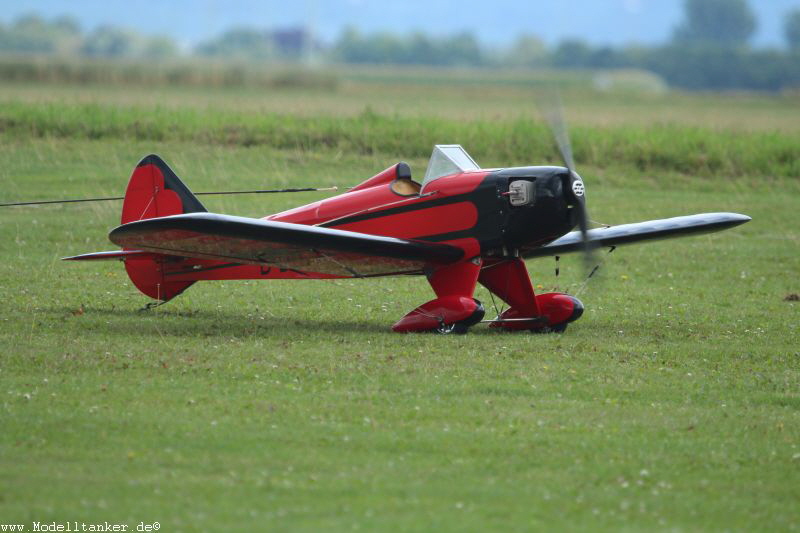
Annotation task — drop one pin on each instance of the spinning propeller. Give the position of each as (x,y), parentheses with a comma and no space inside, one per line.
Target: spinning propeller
(554,115)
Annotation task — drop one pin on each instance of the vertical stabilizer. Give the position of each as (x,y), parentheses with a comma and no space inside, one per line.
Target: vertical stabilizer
(155,191)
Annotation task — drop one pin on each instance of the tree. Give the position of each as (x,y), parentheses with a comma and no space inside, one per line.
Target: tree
(67,25)
(241,43)
(791,29)
(109,41)
(571,53)
(32,34)
(159,47)
(718,22)
(421,50)
(527,51)
(31,23)
(461,49)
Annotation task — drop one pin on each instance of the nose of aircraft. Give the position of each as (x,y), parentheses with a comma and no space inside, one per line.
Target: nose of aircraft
(574,189)
(556,203)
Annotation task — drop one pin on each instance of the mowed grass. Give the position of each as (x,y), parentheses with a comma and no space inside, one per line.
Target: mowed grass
(672,404)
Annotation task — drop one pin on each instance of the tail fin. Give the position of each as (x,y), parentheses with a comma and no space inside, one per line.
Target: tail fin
(155,191)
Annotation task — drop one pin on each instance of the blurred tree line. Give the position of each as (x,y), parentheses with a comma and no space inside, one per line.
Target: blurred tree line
(709,49)
(63,36)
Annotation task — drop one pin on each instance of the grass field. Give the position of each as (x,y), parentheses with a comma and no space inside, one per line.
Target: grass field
(429,92)
(673,404)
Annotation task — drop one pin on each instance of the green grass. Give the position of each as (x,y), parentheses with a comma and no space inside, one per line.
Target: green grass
(444,93)
(671,405)
(687,150)
(146,74)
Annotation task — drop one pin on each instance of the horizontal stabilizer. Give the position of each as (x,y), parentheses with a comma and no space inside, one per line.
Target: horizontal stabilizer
(641,231)
(115,254)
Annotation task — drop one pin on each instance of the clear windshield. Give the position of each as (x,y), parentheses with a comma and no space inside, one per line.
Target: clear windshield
(448,159)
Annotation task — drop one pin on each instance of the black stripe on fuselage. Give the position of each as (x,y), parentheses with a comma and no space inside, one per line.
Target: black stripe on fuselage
(499,224)
(485,197)
(419,206)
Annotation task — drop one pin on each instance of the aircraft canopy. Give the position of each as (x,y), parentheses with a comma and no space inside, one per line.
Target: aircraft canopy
(448,159)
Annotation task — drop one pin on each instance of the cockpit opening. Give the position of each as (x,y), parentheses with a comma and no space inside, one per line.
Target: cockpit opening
(405,187)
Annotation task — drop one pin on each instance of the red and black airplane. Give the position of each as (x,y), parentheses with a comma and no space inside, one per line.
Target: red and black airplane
(461,226)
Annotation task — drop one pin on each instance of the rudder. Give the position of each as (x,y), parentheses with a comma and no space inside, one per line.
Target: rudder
(155,191)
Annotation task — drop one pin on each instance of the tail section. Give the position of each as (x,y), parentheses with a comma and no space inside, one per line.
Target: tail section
(155,191)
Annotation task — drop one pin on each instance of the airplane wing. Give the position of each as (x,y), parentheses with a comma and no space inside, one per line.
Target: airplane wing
(640,231)
(281,244)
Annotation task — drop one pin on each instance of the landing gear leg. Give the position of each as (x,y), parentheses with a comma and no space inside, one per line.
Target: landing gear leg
(542,313)
(454,310)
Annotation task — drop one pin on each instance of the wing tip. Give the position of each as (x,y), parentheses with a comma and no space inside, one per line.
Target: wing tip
(731,220)
(111,255)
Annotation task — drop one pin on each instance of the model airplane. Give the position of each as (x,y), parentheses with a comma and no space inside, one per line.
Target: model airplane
(461,226)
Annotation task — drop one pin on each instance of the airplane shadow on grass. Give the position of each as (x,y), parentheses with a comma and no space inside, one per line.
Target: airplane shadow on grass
(213,323)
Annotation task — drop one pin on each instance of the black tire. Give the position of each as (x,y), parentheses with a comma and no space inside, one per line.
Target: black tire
(459,328)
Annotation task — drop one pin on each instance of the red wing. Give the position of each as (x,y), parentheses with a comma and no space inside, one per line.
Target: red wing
(281,244)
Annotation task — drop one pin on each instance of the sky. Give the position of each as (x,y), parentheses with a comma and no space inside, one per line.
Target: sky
(498,22)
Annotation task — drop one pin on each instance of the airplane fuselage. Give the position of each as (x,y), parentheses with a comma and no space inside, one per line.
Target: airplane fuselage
(471,210)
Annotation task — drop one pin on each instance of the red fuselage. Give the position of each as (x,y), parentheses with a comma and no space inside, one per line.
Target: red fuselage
(470,210)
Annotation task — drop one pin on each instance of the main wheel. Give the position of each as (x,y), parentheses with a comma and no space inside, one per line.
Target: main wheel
(459,328)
